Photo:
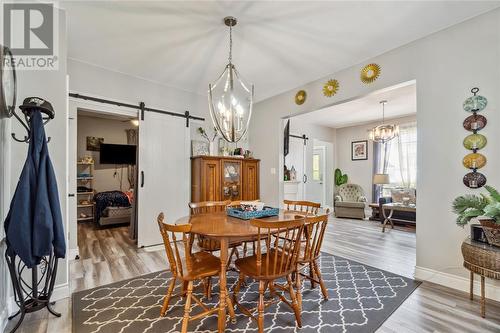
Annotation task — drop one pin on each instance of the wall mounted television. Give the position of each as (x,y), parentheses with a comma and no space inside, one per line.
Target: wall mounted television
(117,154)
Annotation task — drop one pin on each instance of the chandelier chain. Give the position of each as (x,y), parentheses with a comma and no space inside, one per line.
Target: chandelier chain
(383,113)
(230,43)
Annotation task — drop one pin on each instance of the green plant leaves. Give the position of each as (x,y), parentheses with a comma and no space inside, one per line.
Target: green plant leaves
(469,206)
(340,178)
(495,195)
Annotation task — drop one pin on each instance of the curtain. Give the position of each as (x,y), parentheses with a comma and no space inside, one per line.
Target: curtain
(131,169)
(132,139)
(407,153)
(381,153)
(398,159)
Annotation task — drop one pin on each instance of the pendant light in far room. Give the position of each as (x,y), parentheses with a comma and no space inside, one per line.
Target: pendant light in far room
(230,99)
(383,132)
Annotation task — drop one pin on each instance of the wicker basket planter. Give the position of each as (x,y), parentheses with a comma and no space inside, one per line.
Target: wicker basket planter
(492,231)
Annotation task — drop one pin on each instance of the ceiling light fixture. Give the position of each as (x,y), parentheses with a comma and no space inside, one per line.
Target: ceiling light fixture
(230,99)
(383,132)
(135,122)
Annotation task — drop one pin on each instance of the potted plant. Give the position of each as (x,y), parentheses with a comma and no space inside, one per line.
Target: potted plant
(483,207)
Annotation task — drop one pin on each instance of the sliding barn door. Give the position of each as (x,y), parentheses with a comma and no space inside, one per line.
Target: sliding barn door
(164,173)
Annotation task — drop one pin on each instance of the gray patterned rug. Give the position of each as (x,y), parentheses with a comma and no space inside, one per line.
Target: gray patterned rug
(361,299)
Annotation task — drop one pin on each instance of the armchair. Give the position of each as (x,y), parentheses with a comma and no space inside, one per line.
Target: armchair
(350,201)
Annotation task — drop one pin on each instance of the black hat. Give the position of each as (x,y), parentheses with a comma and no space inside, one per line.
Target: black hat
(37,103)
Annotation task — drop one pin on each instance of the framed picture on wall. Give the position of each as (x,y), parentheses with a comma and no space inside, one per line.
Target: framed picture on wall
(359,150)
(199,148)
(93,143)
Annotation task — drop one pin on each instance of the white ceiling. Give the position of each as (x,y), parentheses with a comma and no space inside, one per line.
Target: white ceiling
(401,101)
(277,45)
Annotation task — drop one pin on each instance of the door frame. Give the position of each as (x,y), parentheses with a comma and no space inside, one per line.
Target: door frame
(323,174)
(74,106)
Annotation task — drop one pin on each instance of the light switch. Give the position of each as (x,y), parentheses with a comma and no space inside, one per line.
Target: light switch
(273,171)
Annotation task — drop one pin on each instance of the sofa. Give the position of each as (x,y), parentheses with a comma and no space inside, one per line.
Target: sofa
(397,195)
(350,201)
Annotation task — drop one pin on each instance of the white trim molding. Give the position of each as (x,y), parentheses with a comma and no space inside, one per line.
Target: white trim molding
(456,282)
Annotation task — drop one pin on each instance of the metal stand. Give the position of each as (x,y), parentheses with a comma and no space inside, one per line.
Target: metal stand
(35,296)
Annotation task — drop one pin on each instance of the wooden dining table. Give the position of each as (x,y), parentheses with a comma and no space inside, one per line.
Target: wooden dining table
(225,229)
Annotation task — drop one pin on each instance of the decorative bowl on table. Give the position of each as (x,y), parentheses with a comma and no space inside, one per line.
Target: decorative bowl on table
(252,210)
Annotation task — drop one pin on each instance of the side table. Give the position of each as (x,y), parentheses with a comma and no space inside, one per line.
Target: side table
(482,259)
(395,207)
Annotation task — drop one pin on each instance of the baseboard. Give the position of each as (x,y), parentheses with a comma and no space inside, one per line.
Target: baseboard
(154,248)
(73,253)
(61,291)
(456,282)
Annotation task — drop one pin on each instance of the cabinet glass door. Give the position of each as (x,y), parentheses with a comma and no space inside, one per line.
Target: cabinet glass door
(231,180)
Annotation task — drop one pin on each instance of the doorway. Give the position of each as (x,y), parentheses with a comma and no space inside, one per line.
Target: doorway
(317,187)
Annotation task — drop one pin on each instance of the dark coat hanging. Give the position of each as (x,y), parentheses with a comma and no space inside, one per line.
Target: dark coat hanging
(34,225)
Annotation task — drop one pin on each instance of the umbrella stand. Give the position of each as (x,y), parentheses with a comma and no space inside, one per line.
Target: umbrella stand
(34,296)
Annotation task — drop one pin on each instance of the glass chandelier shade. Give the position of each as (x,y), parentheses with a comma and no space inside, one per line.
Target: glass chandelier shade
(230,99)
(384,132)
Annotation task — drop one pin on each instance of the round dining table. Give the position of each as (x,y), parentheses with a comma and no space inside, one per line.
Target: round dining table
(224,228)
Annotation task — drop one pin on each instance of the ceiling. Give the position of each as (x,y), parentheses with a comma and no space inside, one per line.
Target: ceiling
(277,45)
(401,101)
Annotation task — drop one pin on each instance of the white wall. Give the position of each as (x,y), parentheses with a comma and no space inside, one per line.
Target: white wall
(445,69)
(112,131)
(50,85)
(360,172)
(322,133)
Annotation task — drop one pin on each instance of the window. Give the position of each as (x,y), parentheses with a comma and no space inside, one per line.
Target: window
(315,168)
(401,160)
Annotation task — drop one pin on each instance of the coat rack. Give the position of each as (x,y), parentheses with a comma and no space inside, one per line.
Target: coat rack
(26,124)
(35,294)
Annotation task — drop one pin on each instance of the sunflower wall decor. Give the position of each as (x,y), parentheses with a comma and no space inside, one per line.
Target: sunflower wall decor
(330,88)
(370,73)
(300,97)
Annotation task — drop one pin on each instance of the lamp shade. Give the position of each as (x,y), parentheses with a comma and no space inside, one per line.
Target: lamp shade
(381,178)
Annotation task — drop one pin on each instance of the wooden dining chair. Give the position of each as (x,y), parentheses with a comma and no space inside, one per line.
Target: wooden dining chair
(209,244)
(187,269)
(279,260)
(302,206)
(310,250)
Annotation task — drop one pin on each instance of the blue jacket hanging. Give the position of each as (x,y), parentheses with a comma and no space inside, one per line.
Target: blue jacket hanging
(34,225)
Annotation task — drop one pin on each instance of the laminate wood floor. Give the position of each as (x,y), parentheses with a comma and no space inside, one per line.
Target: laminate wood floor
(108,255)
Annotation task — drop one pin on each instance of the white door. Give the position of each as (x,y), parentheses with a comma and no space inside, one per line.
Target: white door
(316,184)
(294,190)
(164,173)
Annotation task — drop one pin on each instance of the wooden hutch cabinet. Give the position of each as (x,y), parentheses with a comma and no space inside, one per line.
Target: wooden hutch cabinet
(216,178)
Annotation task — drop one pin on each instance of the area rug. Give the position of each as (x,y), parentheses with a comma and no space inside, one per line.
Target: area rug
(361,299)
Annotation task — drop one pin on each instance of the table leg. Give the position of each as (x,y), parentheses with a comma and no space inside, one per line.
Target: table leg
(223,284)
(387,219)
(483,299)
(471,288)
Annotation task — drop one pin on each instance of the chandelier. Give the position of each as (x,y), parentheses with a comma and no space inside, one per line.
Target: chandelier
(383,132)
(230,99)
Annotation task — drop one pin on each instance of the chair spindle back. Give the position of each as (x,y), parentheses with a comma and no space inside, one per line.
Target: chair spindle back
(314,232)
(173,253)
(208,206)
(281,243)
(302,206)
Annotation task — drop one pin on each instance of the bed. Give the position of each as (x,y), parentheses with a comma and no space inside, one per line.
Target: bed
(112,207)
